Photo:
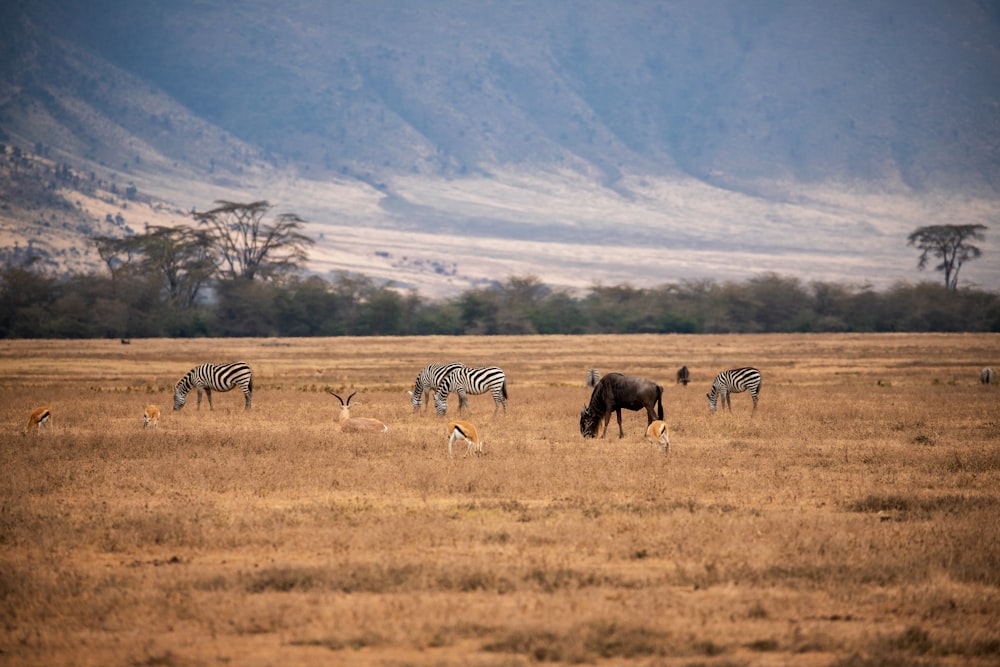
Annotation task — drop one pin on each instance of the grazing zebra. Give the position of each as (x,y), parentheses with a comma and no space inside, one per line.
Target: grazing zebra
(683,375)
(209,377)
(733,382)
(987,376)
(428,380)
(593,377)
(473,381)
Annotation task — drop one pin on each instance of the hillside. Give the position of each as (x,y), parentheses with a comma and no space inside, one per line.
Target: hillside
(443,144)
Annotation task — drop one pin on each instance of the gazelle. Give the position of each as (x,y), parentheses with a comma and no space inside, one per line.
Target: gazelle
(151,416)
(356,424)
(658,434)
(462,430)
(38,418)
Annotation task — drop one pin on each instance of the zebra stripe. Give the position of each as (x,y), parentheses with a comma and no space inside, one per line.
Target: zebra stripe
(734,381)
(593,377)
(209,377)
(429,379)
(473,381)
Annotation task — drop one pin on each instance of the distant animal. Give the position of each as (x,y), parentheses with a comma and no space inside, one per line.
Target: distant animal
(427,382)
(683,375)
(613,393)
(38,419)
(209,377)
(987,376)
(658,434)
(462,430)
(349,424)
(475,381)
(150,416)
(593,377)
(126,341)
(731,382)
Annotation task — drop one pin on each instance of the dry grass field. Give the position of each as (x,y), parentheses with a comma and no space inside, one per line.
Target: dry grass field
(855,520)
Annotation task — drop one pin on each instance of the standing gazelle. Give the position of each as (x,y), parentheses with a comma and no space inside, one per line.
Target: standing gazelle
(462,430)
(150,416)
(39,417)
(356,424)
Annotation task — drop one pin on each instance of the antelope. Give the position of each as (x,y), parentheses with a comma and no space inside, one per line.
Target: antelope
(462,430)
(151,416)
(349,424)
(38,418)
(658,434)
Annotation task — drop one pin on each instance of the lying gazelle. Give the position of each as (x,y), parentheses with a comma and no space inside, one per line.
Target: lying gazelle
(356,424)
(462,430)
(658,434)
(151,416)
(38,418)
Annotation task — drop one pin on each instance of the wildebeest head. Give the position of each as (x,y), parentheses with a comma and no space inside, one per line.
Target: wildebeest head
(589,421)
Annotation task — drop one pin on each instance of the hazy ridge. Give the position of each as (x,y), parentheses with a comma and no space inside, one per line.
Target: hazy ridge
(442,145)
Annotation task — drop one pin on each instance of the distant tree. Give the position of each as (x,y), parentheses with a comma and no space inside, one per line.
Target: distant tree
(248,247)
(118,254)
(180,260)
(950,244)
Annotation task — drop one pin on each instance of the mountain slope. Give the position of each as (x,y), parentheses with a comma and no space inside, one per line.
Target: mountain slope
(579,141)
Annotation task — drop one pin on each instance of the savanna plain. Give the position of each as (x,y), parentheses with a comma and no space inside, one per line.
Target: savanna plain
(854,520)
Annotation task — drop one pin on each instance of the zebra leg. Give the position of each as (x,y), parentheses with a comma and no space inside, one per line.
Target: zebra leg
(199,398)
(208,395)
(249,400)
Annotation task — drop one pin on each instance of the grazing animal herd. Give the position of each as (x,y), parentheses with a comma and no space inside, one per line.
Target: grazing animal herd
(610,394)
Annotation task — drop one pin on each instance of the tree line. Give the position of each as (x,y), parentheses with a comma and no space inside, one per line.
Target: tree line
(35,305)
(239,273)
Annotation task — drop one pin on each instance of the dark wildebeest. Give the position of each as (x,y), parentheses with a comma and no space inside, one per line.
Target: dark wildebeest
(683,375)
(616,391)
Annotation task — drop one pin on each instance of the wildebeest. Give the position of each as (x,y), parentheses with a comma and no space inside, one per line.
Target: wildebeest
(683,375)
(613,393)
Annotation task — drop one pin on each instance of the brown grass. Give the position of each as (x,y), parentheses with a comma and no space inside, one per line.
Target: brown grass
(854,520)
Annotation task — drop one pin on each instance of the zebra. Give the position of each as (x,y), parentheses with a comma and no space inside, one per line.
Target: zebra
(428,380)
(473,381)
(986,375)
(208,377)
(593,377)
(733,382)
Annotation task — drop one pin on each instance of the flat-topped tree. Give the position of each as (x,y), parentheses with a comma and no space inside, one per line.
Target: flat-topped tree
(950,244)
(248,247)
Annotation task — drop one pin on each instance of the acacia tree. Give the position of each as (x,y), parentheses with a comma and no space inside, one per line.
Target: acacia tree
(247,247)
(950,244)
(181,257)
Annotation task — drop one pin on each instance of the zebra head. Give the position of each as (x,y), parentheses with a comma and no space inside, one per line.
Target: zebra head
(180,393)
(713,399)
(417,395)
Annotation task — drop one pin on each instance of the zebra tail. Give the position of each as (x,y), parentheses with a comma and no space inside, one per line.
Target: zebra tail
(503,388)
(659,403)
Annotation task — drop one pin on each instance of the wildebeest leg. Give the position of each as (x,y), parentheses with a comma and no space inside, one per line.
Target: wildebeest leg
(607,420)
(621,433)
